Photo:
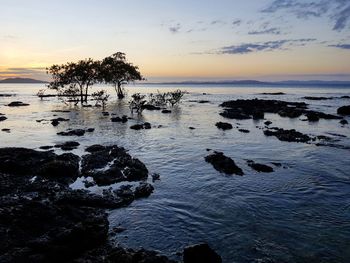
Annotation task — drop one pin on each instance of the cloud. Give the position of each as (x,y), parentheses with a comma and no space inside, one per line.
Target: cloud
(175,29)
(271,31)
(218,22)
(338,11)
(237,22)
(247,48)
(341,46)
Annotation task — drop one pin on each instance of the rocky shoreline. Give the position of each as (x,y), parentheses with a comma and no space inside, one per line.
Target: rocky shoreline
(44,220)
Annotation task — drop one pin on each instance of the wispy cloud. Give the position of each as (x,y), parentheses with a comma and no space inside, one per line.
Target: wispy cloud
(271,31)
(341,46)
(237,22)
(247,48)
(337,10)
(175,28)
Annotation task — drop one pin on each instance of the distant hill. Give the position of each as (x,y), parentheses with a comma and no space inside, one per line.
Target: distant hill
(263,83)
(21,80)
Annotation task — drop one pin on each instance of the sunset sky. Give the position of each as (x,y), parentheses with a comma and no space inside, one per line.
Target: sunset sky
(182,39)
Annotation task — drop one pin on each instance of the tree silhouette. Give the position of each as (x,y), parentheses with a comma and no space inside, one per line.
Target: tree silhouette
(116,70)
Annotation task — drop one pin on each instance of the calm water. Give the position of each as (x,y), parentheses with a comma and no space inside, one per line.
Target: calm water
(299,213)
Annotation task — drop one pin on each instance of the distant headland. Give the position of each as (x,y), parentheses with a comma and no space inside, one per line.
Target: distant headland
(21,80)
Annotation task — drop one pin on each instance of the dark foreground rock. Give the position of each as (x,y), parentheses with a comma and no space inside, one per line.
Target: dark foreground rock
(166,111)
(143,190)
(3,118)
(224,126)
(17,104)
(255,108)
(43,220)
(261,168)
(122,119)
(287,135)
(223,163)
(344,122)
(200,253)
(76,132)
(57,121)
(344,110)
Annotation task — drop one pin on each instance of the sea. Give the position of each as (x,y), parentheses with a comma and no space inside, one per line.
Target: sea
(298,213)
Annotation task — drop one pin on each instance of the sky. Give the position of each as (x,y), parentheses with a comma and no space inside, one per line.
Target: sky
(177,40)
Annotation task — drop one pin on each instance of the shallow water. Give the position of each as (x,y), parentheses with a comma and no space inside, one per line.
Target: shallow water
(299,213)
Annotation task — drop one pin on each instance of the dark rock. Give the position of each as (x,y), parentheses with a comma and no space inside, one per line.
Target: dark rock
(6,130)
(95,148)
(57,121)
(244,130)
(145,125)
(166,111)
(318,98)
(204,101)
(17,104)
(87,106)
(192,128)
(200,253)
(150,107)
(125,192)
(2,118)
(344,110)
(68,146)
(155,177)
(345,97)
(143,190)
(273,93)
(258,115)
(90,129)
(76,132)
(343,122)
(288,135)
(122,119)
(88,184)
(267,123)
(46,147)
(64,111)
(223,163)
(224,126)
(260,167)
(311,116)
(105,113)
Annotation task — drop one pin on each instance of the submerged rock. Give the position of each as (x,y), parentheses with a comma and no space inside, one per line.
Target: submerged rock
(57,121)
(223,163)
(200,253)
(260,167)
(17,104)
(288,135)
(344,122)
(166,111)
(224,126)
(344,110)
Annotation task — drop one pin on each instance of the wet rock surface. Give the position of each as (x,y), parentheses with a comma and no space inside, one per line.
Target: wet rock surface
(75,132)
(223,163)
(224,126)
(3,118)
(43,220)
(122,119)
(255,109)
(57,121)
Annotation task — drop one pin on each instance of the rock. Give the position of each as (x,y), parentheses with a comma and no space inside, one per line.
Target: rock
(90,129)
(273,93)
(76,132)
(344,110)
(200,253)
(258,115)
(57,121)
(244,130)
(45,147)
(267,123)
(143,190)
(87,106)
(68,146)
(192,128)
(145,125)
(260,167)
(6,130)
(203,101)
(166,111)
(125,191)
(311,116)
(343,122)
(288,135)
(105,113)
(155,177)
(95,148)
(224,126)
(318,98)
(2,118)
(17,104)
(123,119)
(223,163)
(150,107)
